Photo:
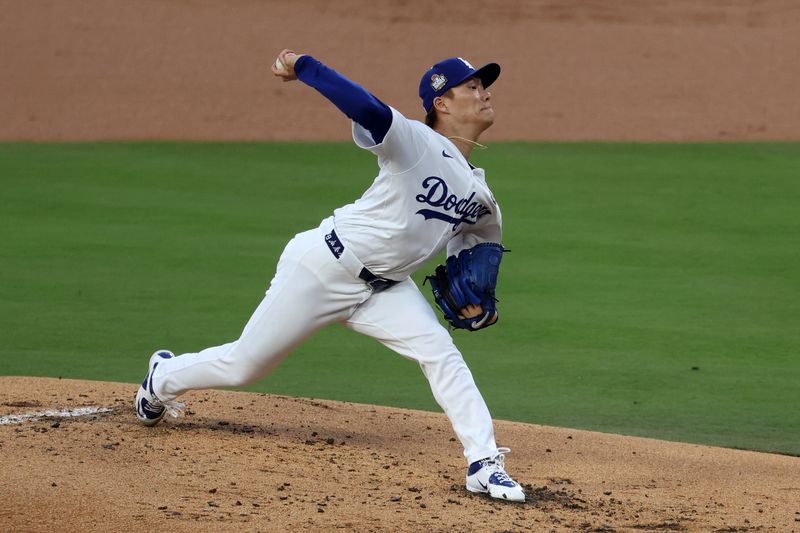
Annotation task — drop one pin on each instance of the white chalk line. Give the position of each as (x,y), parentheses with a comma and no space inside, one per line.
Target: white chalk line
(64,413)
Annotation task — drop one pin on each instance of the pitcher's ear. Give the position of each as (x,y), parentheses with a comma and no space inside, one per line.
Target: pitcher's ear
(440,104)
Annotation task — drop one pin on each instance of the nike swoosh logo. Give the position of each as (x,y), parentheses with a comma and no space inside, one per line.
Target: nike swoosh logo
(485,487)
(479,325)
(445,154)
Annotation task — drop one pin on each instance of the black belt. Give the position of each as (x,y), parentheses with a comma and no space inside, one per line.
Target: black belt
(376,283)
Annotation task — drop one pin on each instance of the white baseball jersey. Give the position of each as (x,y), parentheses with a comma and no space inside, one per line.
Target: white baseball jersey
(426,197)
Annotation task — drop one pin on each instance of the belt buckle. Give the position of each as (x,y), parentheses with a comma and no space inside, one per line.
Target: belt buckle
(380,284)
(377,284)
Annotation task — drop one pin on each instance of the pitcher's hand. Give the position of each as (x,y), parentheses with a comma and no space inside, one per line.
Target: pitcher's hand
(283,67)
(471,311)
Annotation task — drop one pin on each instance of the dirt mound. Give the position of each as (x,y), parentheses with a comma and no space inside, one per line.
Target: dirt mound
(243,461)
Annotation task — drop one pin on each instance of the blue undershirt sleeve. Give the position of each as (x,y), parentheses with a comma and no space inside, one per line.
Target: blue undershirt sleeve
(353,100)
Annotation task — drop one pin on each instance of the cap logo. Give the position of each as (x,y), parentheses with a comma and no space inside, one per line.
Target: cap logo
(467,63)
(438,81)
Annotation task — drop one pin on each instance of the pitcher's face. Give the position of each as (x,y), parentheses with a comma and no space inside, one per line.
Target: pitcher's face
(471,103)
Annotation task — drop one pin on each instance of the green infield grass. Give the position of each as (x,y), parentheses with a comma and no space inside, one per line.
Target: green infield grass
(651,290)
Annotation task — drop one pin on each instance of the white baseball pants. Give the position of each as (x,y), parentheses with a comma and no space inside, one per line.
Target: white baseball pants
(311,289)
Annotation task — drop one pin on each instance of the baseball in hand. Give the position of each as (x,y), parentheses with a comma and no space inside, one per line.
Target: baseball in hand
(284,65)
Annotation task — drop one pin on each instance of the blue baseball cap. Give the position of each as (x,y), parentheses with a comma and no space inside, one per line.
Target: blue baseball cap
(449,73)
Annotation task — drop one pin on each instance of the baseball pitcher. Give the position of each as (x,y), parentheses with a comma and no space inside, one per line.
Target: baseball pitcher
(355,267)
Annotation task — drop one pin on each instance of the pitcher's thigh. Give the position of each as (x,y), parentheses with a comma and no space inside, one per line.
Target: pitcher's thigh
(402,319)
(304,296)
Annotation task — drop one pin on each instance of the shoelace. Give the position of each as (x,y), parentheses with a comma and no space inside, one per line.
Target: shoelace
(499,464)
(173,408)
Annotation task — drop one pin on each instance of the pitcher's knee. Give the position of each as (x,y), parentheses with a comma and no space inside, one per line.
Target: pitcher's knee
(436,348)
(240,367)
(243,366)
(447,363)
(239,376)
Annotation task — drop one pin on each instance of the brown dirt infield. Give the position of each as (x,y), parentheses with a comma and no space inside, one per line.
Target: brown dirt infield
(256,462)
(573,69)
(197,69)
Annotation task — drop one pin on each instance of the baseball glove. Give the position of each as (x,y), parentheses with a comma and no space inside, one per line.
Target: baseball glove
(468,278)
